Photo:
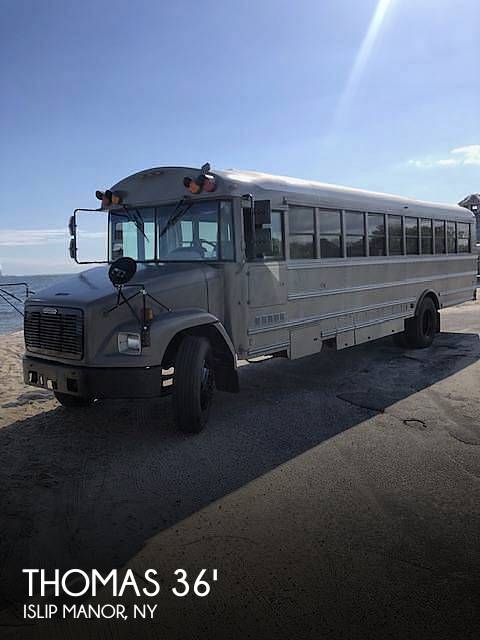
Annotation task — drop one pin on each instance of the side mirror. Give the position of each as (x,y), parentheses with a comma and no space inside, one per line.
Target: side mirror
(263,243)
(73,249)
(262,212)
(71,226)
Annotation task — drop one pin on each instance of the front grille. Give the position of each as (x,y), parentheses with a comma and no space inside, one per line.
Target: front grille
(57,332)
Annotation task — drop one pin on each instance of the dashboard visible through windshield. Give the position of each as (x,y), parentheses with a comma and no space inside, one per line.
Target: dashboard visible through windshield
(200,231)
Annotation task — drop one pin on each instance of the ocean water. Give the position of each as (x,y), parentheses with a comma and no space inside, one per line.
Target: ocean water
(10,320)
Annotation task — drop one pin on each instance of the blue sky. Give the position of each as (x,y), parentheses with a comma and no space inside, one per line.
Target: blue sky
(380,95)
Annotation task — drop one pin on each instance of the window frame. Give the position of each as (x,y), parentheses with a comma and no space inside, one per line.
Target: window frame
(444,252)
(156,260)
(120,213)
(314,235)
(469,227)
(384,236)
(320,235)
(356,235)
(430,237)
(420,234)
(390,216)
(450,223)
(416,236)
(283,256)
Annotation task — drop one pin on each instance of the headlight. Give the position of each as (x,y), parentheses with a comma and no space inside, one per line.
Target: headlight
(130,343)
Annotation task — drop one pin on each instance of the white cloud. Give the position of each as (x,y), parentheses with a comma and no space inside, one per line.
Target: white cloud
(35,237)
(31,237)
(468,155)
(458,157)
(447,162)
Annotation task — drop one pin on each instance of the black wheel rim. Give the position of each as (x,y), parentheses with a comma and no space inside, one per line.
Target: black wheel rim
(427,323)
(206,387)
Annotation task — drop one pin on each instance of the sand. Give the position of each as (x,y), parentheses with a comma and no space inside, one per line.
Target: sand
(18,400)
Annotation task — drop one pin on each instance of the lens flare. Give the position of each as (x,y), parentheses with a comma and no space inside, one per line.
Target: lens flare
(361,60)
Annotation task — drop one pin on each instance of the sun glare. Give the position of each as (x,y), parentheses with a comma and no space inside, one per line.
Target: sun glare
(361,59)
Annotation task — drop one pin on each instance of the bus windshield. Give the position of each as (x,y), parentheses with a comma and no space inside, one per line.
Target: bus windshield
(200,231)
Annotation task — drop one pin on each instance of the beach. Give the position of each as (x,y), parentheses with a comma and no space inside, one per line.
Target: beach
(17,401)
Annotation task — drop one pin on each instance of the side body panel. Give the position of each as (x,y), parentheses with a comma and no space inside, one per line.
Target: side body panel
(299,304)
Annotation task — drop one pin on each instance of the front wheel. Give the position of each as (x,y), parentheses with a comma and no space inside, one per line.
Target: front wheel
(70,401)
(194,383)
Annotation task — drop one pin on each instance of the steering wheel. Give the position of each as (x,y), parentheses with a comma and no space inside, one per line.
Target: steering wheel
(212,244)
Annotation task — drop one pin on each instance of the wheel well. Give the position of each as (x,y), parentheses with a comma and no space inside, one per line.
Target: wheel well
(428,294)
(433,297)
(226,376)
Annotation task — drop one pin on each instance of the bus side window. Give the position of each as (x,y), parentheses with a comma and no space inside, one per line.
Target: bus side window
(355,234)
(277,231)
(395,235)
(427,235)
(226,231)
(439,228)
(301,228)
(411,235)
(330,230)
(276,227)
(463,237)
(451,237)
(376,234)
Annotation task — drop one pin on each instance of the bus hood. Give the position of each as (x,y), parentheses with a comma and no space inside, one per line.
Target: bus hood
(182,285)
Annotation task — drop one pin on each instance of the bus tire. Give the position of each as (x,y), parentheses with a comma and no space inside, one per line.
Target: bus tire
(193,384)
(69,401)
(421,329)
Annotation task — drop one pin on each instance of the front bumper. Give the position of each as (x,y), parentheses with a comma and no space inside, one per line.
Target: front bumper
(94,382)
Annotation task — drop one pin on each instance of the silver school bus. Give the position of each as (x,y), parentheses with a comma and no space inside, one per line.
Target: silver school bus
(206,267)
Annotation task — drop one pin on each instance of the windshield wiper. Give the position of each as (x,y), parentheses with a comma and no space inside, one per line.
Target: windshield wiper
(137,221)
(177,213)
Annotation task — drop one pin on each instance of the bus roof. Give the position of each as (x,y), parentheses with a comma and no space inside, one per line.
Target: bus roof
(166,182)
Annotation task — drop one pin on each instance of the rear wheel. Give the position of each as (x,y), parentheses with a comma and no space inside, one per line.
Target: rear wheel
(67,400)
(420,330)
(194,384)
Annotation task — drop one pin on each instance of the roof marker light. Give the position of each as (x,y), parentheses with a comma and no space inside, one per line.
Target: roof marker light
(192,185)
(209,185)
(203,182)
(105,197)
